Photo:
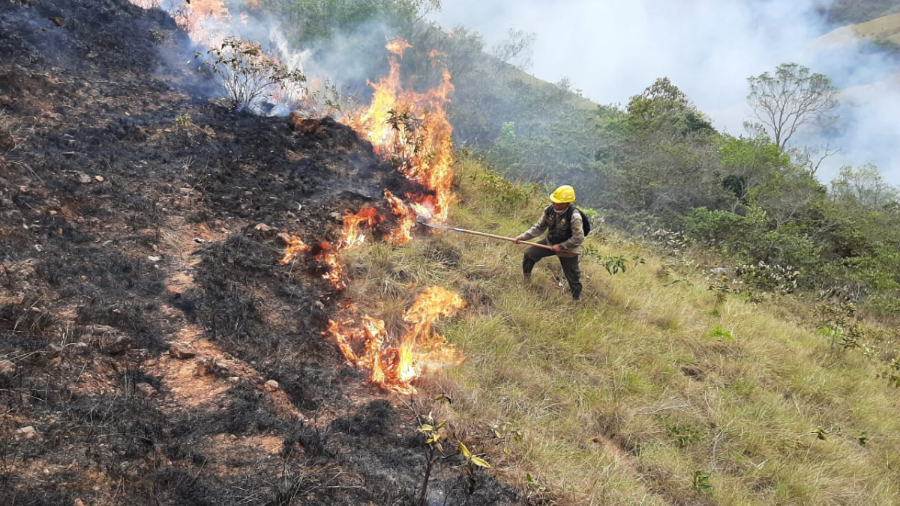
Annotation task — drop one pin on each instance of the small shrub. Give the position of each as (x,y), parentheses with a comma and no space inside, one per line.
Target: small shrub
(721,333)
(702,483)
(247,75)
(772,277)
(682,434)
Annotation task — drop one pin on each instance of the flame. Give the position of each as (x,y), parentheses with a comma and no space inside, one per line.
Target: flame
(412,129)
(398,46)
(295,246)
(351,236)
(335,272)
(420,348)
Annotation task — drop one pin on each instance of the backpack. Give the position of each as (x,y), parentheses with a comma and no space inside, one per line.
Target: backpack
(585,223)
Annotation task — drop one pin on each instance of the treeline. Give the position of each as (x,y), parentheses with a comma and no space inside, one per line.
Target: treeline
(655,165)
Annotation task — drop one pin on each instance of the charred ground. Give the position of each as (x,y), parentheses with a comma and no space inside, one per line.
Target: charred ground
(144,319)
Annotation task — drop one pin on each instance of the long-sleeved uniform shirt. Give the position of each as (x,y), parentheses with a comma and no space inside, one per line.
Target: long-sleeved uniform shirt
(557,227)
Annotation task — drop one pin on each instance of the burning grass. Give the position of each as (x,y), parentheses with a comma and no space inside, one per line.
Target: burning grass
(631,397)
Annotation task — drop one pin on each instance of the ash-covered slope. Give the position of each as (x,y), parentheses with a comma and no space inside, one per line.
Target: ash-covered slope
(152,350)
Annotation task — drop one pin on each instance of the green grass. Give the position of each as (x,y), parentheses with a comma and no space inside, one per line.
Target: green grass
(625,397)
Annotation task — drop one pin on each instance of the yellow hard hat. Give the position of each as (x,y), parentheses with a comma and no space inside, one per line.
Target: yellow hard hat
(563,195)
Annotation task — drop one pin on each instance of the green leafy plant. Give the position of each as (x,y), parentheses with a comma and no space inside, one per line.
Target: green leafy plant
(533,487)
(472,462)
(682,434)
(721,333)
(435,450)
(702,484)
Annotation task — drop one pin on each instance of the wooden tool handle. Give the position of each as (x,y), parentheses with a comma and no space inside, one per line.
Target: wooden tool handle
(504,238)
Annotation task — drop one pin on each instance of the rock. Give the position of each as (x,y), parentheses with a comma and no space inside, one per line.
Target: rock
(99,179)
(154,259)
(27,432)
(7,367)
(336,217)
(182,351)
(5,101)
(318,304)
(151,363)
(234,380)
(110,339)
(199,240)
(146,389)
(271,385)
(206,366)
(720,270)
(83,178)
(305,125)
(79,502)
(262,227)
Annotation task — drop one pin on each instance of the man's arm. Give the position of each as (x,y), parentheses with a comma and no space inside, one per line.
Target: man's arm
(535,230)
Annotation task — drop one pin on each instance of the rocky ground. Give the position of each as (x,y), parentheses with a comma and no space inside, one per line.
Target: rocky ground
(152,349)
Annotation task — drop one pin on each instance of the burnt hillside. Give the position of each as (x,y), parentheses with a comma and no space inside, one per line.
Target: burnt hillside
(152,349)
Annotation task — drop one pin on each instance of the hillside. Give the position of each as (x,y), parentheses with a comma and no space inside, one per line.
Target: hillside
(884,30)
(153,350)
(168,337)
(845,12)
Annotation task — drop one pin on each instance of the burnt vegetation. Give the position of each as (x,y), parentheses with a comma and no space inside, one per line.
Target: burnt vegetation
(129,234)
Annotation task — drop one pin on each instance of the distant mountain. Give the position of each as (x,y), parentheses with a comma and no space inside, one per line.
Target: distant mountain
(844,12)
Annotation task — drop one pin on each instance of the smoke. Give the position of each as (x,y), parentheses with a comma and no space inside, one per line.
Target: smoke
(614,49)
(345,61)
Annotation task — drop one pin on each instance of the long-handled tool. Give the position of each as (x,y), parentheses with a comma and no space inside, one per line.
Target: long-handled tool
(422,220)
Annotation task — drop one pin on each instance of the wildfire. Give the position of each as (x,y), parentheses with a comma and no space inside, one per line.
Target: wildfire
(295,246)
(412,128)
(352,236)
(421,348)
(335,272)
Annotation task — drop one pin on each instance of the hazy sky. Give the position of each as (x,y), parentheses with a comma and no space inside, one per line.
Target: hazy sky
(613,49)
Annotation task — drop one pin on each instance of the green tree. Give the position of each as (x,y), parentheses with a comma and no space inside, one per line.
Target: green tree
(664,105)
(863,187)
(749,162)
(790,98)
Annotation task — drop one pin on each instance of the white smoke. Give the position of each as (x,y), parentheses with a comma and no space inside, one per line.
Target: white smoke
(614,49)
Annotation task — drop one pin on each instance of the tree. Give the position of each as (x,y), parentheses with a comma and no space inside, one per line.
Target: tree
(664,105)
(749,162)
(791,98)
(863,187)
(516,50)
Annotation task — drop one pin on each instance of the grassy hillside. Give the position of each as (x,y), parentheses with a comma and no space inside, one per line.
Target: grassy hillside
(655,389)
(884,31)
(842,12)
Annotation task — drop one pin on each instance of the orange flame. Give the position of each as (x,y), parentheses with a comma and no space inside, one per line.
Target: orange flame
(335,272)
(412,128)
(421,348)
(351,236)
(398,46)
(295,246)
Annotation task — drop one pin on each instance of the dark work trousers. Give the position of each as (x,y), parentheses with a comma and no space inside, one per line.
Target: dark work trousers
(569,266)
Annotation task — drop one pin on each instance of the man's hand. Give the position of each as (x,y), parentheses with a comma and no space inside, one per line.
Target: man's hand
(556,248)
(517,240)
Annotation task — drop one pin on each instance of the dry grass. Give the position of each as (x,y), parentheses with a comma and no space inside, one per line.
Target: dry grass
(623,398)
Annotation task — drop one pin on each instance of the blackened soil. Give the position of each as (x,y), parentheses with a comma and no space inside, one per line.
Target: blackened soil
(129,205)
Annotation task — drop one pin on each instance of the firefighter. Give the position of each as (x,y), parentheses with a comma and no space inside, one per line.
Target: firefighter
(565,234)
